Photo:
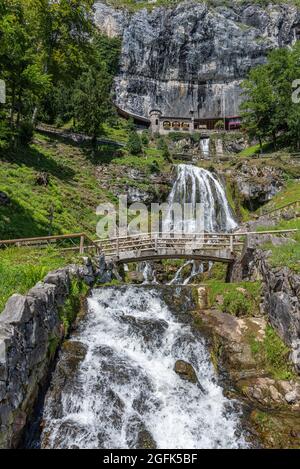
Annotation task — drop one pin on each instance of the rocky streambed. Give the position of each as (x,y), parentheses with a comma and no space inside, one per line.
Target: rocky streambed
(137,374)
(151,367)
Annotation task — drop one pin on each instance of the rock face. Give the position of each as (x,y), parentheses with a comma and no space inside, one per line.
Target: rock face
(281,292)
(192,56)
(257,185)
(274,403)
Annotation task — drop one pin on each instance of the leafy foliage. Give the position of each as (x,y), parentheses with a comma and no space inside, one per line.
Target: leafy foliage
(134,144)
(269,110)
(56,66)
(274,354)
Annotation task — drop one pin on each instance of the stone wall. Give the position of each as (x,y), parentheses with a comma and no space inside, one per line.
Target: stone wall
(31,330)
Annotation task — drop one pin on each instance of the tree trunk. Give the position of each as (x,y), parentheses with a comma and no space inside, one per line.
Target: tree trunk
(13,103)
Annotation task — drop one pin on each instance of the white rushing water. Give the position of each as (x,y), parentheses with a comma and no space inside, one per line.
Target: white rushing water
(194,186)
(204,147)
(126,384)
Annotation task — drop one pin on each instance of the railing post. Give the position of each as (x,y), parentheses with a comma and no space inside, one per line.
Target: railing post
(156,243)
(81,247)
(231,244)
(118,247)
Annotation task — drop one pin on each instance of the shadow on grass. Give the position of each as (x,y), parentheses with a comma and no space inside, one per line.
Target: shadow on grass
(104,153)
(17,222)
(32,158)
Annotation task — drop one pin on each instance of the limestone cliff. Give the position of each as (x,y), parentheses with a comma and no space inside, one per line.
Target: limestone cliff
(192,56)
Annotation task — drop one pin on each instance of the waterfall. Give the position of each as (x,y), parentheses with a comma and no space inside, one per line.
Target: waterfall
(125,389)
(148,272)
(204,147)
(197,185)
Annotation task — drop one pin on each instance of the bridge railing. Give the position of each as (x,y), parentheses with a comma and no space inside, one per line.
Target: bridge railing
(233,242)
(71,242)
(283,209)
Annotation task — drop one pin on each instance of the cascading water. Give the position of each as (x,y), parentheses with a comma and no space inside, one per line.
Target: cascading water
(125,392)
(204,147)
(195,185)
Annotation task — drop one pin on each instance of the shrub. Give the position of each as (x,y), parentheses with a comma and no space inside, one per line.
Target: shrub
(274,354)
(219,125)
(235,303)
(145,138)
(134,144)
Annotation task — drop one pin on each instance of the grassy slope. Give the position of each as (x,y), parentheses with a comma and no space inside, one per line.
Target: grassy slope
(73,190)
(22,268)
(287,254)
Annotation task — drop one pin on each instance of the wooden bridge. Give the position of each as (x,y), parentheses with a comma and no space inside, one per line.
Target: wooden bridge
(215,247)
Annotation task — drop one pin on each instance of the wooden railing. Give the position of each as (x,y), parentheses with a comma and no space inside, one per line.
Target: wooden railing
(70,242)
(283,209)
(224,246)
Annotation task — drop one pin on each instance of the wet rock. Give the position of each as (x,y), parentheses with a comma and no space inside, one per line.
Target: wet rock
(138,437)
(145,440)
(151,330)
(135,277)
(186,371)
(277,430)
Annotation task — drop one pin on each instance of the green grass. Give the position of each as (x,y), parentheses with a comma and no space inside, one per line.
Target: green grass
(74,190)
(291,193)
(273,353)
(239,299)
(68,312)
(22,268)
(254,150)
(287,254)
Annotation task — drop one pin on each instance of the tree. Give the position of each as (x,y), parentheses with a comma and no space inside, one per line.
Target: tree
(20,58)
(220,125)
(260,104)
(166,152)
(134,144)
(91,101)
(269,111)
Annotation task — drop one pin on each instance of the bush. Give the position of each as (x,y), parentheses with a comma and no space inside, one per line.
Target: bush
(145,138)
(235,303)
(177,136)
(25,133)
(154,167)
(219,125)
(134,144)
(166,153)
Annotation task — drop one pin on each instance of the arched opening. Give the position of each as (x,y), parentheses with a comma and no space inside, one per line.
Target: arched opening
(176,125)
(185,126)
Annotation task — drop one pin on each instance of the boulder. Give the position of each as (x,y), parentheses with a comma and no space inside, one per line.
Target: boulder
(186,371)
